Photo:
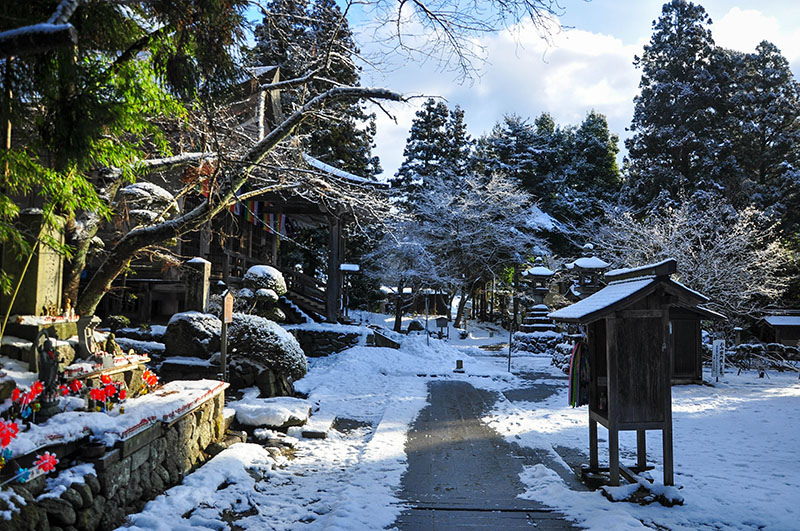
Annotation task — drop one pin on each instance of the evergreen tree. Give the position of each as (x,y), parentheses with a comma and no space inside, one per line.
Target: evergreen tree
(592,177)
(299,38)
(675,115)
(438,148)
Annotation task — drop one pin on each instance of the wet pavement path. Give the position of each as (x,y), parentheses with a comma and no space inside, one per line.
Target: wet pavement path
(464,475)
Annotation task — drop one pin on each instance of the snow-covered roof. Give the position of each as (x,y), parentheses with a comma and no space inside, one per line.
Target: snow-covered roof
(631,270)
(539,271)
(617,292)
(341,174)
(588,262)
(782,320)
(609,295)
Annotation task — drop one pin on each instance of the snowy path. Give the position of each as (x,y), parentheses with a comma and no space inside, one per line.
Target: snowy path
(461,473)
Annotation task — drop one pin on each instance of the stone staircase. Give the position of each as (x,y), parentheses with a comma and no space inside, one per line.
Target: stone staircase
(537,320)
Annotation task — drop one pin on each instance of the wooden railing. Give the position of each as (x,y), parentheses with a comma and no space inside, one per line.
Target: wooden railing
(307,287)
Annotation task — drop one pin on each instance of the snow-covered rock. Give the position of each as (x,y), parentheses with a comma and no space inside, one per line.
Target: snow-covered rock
(275,412)
(192,334)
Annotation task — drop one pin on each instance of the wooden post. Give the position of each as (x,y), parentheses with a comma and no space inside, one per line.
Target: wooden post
(333,287)
(641,449)
(613,407)
(666,347)
(613,455)
(594,462)
(227,317)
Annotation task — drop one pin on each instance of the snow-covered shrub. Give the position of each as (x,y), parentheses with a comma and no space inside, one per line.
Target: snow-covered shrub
(263,286)
(261,342)
(561,355)
(264,277)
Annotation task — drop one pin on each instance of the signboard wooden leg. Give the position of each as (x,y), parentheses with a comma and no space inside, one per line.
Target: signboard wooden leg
(613,457)
(641,449)
(594,462)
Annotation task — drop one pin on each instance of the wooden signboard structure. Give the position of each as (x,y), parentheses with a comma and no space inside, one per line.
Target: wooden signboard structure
(630,349)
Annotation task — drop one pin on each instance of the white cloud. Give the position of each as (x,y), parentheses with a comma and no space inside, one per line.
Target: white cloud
(742,29)
(524,75)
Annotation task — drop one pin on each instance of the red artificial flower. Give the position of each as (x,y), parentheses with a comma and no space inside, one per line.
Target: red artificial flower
(75,386)
(106,379)
(122,394)
(37,388)
(8,431)
(46,462)
(110,390)
(64,390)
(97,394)
(15,394)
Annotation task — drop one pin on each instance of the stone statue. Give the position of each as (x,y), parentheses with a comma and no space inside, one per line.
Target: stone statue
(48,363)
(111,346)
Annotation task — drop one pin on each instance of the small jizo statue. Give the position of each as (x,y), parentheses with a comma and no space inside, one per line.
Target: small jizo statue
(111,346)
(48,365)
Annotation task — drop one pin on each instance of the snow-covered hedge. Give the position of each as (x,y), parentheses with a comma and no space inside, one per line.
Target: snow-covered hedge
(259,341)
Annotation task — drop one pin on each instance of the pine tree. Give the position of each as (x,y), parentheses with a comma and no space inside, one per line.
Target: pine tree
(676,112)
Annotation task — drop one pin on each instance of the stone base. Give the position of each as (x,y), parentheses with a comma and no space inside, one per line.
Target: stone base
(127,477)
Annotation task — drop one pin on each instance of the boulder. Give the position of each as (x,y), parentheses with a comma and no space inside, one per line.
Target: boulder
(261,343)
(193,334)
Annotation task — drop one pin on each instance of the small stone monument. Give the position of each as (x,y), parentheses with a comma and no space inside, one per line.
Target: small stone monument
(87,346)
(198,276)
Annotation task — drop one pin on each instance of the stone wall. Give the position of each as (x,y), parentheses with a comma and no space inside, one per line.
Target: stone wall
(321,343)
(127,477)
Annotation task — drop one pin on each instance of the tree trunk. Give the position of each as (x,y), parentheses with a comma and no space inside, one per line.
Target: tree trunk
(398,308)
(460,310)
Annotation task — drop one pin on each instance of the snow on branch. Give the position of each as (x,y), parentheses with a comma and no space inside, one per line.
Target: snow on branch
(36,38)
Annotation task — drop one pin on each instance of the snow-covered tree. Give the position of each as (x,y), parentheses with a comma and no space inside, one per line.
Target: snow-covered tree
(730,256)
(677,111)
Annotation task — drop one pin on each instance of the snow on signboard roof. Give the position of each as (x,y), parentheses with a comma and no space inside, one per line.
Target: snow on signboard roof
(611,294)
(782,320)
(629,270)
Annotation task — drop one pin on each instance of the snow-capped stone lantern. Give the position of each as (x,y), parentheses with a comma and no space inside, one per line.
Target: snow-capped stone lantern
(539,277)
(588,271)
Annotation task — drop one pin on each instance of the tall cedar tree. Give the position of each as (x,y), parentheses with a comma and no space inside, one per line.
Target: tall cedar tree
(298,37)
(676,114)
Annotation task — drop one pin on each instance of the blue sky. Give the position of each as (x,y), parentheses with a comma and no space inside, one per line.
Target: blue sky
(587,65)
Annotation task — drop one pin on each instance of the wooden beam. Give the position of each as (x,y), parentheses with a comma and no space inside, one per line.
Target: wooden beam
(661,269)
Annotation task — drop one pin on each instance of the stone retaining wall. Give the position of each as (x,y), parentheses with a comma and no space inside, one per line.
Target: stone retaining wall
(127,477)
(321,343)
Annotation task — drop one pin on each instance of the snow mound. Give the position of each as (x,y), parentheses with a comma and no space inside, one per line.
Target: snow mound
(276,412)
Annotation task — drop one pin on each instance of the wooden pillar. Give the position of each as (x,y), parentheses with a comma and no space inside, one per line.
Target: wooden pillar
(594,462)
(641,449)
(334,285)
(613,456)
(613,409)
(667,351)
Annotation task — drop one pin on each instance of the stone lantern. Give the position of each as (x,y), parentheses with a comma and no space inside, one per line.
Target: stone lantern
(538,276)
(588,273)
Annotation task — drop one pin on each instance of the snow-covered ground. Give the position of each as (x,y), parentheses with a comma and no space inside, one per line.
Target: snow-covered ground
(735,449)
